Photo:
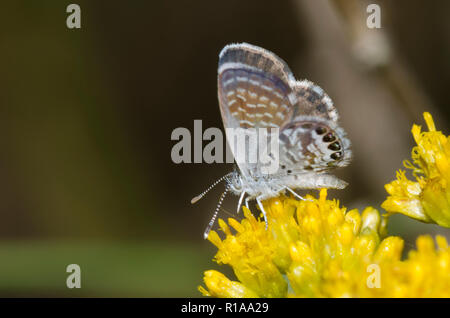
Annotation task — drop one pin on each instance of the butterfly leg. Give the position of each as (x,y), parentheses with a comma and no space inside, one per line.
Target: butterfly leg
(246,202)
(258,200)
(294,193)
(240,201)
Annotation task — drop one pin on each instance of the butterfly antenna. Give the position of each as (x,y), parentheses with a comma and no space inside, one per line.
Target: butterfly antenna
(198,197)
(213,219)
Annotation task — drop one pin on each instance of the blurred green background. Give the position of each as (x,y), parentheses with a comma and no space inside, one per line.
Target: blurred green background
(86,117)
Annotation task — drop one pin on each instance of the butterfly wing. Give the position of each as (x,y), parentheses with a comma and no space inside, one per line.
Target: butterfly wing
(253,88)
(254,91)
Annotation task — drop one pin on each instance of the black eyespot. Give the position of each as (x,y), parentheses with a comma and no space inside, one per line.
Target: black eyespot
(321,130)
(283,167)
(321,108)
(312,97)
(289,171)
(334,146)
(329,137)
(336,155)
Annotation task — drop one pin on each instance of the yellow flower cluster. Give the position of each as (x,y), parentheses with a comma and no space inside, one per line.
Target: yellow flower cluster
(315,248)
(428,198)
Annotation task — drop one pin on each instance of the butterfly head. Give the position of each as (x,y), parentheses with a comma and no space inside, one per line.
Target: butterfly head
(234,182)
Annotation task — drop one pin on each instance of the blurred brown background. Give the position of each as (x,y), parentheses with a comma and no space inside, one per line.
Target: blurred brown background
(86,114)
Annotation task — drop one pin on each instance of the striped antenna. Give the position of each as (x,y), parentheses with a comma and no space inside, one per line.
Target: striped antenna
(198,197)
(213,219)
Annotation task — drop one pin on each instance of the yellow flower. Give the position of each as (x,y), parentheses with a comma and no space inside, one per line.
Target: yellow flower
(428,198)
(315,248)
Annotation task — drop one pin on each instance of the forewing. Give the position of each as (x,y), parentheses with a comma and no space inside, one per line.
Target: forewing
(254,88)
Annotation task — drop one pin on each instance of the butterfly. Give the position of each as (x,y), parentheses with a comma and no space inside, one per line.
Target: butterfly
(256,89)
